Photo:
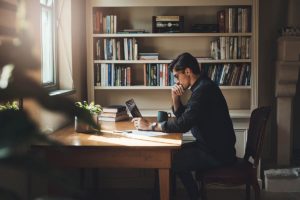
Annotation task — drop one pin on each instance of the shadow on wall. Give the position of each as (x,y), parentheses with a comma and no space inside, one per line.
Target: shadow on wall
(296,126)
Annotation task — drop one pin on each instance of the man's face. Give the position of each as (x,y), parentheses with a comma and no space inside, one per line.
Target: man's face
(182,78)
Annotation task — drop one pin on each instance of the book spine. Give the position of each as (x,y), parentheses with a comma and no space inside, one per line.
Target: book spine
(221,21)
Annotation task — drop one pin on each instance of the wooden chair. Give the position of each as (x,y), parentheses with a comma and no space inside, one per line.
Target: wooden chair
(244,170)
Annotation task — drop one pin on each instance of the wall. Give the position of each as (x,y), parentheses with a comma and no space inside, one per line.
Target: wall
(275,14)
(293,20)
(272,18)
(79,48)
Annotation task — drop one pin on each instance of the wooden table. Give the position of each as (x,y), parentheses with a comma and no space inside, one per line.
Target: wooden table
(110,149)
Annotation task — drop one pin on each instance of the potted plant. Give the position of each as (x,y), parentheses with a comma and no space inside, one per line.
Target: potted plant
(94,110)
(9,106)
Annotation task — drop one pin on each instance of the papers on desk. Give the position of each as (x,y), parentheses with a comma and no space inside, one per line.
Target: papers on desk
(135,132)
(147,133)
(153,136)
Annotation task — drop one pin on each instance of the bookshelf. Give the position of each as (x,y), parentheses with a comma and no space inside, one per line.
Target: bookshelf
(134,14)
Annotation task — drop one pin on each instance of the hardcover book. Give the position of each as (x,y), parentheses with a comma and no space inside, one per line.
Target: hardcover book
(114,108)
(115,119)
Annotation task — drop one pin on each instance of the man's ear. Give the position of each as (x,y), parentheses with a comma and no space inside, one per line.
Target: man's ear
(187,71)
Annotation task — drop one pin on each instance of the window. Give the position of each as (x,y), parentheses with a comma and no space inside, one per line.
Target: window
(48,50)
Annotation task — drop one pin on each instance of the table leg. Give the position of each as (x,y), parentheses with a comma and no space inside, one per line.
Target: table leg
(164,184)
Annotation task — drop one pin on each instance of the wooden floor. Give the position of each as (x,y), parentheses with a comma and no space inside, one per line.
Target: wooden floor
(213,194)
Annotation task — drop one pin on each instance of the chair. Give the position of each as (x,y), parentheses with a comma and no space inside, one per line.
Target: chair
(244,170)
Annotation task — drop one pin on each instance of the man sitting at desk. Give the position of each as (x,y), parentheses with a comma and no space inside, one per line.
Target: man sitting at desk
(205,114)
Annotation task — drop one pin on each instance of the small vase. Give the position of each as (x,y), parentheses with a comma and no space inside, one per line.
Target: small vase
(83,127)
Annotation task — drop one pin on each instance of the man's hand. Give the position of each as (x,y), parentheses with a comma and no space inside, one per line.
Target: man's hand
(141,123)
(177,90)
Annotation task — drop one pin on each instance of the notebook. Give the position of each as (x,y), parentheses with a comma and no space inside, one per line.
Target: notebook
(133,109)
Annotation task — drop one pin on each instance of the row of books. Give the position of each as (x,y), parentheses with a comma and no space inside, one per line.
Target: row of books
(113,49)
(114,113)
(104,24)
(109,74)
(231,48)
(229,74)
(157,75)
(232,20)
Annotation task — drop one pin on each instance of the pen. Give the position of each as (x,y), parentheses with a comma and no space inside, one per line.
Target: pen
(125,131)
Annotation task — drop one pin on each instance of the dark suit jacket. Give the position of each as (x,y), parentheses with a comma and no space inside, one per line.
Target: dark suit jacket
(206,115)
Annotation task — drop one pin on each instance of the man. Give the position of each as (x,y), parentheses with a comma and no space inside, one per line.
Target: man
(205,114)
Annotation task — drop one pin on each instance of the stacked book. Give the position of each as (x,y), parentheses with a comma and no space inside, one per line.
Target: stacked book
(114,113)
(148,56)
(132,31)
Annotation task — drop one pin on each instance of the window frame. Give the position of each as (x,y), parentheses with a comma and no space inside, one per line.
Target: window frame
(50,85)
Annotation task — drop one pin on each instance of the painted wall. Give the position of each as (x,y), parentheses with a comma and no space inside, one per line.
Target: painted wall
(294,20)
(272,18)
(275,14)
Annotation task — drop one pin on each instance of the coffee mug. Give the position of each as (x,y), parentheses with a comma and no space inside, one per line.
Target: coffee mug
(163,116)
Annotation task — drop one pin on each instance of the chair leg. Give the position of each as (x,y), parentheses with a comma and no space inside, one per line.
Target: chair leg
(155,194)
(248,190)
(256,188)
(174,185)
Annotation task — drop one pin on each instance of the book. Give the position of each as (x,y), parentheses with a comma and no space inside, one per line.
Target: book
(132,31)
(114,108)
(175,18)
(221,20)
(110,114)
(114,119)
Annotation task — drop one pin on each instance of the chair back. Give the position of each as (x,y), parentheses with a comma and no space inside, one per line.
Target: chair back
(256,134)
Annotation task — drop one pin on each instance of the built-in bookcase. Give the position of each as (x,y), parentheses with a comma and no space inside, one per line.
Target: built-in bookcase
(137,14)
(116,74)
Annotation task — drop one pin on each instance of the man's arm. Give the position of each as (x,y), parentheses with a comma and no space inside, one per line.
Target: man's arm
(143,124)
(177,91)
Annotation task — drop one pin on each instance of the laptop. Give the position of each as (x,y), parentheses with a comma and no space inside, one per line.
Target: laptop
(133,109)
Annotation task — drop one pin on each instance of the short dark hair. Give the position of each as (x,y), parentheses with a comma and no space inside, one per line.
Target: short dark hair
(183,61)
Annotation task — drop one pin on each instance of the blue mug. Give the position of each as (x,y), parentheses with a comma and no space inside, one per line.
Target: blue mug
(163,116)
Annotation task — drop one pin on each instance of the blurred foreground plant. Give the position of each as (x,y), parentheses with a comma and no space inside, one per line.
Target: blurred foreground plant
(17,130)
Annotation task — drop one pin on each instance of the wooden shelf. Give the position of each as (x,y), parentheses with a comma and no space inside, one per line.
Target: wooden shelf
(114,35)
(169,61)
(141,87)
(166,3)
